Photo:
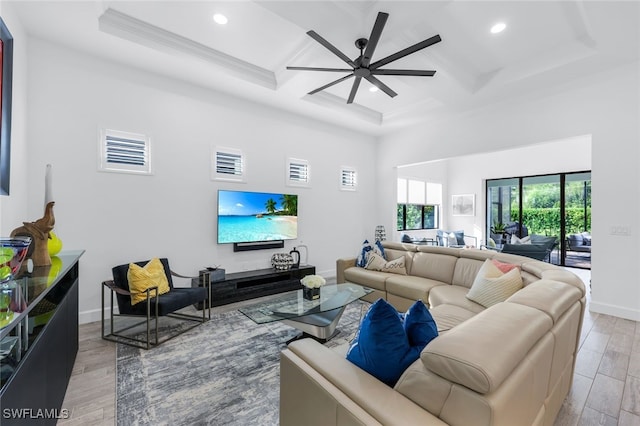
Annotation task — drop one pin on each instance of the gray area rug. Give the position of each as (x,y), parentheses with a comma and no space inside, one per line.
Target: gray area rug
(224,372)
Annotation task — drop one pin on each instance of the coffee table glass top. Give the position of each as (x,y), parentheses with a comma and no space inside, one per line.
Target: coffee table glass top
(294,305)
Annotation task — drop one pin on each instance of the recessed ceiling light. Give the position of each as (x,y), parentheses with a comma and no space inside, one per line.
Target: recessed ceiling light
(498,28)
(373,89)
(219,18)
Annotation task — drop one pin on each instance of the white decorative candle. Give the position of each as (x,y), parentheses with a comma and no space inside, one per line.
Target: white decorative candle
(48,185)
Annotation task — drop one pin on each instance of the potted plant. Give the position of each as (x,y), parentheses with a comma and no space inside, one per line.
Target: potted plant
(498,231)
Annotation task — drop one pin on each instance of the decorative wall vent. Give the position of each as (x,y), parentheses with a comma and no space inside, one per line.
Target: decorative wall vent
(124,152)
(297,172)
(228,164)
(348,179)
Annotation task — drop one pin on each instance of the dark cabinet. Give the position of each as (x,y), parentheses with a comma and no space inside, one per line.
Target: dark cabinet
(43,342)
(251,284)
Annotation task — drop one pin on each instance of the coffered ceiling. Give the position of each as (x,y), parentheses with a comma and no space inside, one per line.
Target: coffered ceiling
(545,44)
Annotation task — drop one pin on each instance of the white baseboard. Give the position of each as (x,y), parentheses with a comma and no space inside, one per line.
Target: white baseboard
(614,310)
(93,315)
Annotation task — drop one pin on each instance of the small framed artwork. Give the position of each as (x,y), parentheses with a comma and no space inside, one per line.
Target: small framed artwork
(463,205)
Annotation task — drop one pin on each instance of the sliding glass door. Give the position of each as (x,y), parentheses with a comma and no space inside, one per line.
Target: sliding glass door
(502,204)
(557,205)
(577,215)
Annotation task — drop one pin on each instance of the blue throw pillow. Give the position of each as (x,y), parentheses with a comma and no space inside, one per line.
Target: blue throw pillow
(362,257)
(419,325)
(381,347)
(379,249)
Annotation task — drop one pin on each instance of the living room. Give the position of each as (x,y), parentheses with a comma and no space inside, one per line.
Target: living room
(63,96)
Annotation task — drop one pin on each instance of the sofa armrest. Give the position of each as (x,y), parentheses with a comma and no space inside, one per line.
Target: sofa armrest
(341,265)
(308,365)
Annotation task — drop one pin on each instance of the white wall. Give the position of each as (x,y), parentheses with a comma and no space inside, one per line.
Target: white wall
(468,174)
(606,107)
(13,208)
(118,218)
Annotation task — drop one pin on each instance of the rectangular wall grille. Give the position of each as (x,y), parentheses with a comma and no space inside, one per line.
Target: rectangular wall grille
(348,178)
(228,163)
(125,152)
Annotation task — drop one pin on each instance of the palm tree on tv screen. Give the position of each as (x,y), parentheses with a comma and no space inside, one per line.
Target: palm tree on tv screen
(270,205)
(290,204)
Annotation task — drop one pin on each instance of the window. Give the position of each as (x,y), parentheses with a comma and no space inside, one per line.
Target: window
(124,152)
(418,204)
(297,172)
(228,164)
(348,179)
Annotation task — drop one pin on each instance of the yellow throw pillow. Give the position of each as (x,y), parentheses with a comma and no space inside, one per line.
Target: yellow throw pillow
(492,286)
(141,278)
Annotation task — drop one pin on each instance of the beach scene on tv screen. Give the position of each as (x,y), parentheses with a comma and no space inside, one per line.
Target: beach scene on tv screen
(256,216)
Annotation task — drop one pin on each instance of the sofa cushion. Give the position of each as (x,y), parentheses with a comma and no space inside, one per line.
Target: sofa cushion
(500,337)
(381,346)
(492,286)
(551,297)
(410,287)
(373,279)
(435,266)
(465,272)
(453,295)
(448,316)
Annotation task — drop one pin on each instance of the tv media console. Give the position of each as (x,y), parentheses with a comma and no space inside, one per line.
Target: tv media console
(245,285)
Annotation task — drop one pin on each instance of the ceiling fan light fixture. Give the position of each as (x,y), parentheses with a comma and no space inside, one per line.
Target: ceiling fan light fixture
(363,68)
(498,27)
(373,89)
(220,19)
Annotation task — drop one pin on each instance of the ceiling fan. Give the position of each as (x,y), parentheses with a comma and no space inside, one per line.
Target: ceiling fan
(361,67)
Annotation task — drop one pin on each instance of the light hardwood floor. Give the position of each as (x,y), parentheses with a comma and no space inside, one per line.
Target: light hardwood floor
(606,385)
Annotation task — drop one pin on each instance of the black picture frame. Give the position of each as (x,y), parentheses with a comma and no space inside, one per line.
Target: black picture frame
(5,108)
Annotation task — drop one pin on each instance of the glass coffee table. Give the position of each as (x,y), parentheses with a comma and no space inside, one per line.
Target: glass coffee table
(315,318)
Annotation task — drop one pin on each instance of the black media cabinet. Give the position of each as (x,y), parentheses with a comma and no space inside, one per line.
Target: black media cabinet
(245,285)
(44,342)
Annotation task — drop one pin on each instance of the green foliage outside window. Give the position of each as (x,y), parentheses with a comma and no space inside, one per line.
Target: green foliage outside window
(417,216)
(546,221)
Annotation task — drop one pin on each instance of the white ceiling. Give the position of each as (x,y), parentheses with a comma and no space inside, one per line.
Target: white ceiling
(546,44)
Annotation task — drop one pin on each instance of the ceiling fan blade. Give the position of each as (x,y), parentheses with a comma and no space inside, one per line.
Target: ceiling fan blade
(331,47)
(380,85)
(417,73)
(354,89)
(381,20)
(340,80)
(408,51)
(320,69)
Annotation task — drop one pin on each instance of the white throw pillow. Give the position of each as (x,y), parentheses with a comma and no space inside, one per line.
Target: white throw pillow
(523,240)
(452,240)
(375,262)
(492,286)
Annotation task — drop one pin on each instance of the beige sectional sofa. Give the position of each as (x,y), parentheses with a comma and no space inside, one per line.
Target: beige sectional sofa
(509,364)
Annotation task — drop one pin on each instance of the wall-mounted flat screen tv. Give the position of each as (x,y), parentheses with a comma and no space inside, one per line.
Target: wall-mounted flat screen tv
(245,217)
